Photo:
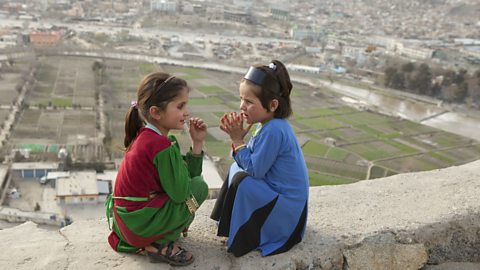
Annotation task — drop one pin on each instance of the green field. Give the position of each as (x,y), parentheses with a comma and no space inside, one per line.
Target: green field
(317,179)
(205,101)
(211,89)
(340,143)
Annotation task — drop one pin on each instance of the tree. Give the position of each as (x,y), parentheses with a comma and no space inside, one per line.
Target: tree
(408,67)
(99,67)
(18,157)
(448,77)
(461,91)
(435,90)
(422,79)
(389,73)
(398,81)
(460,76)
(455,93)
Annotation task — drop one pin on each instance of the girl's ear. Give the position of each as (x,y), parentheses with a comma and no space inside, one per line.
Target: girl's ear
(273,105)
(155,113)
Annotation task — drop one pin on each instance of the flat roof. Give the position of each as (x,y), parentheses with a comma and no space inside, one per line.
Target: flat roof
(103,187)
(35,165)
(56,174)
(109,175)
(78,184)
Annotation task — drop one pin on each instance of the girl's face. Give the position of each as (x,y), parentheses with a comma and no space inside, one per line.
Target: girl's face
(251,106)
(174,115)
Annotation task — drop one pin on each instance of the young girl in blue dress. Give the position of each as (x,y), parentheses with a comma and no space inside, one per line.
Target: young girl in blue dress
(263,203)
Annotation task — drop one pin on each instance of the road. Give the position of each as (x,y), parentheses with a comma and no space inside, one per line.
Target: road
(183,35)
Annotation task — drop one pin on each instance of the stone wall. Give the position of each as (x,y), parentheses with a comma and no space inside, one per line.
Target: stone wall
(406,221)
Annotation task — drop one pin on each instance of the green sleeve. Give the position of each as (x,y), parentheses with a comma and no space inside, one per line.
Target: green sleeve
(194,163)
(174,175)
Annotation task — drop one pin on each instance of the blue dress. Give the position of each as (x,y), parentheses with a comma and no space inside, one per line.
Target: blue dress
(263,203)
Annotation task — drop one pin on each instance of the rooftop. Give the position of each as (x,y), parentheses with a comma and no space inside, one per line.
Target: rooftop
(34,165)
(79,183)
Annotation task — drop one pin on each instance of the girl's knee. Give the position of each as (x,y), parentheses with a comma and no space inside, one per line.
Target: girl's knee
(200,189)
(204,190)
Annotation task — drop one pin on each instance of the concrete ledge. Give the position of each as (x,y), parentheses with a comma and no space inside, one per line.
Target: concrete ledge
(401,222)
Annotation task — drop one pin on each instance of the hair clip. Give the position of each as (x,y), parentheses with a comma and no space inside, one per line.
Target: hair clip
(272,66)
(134,104)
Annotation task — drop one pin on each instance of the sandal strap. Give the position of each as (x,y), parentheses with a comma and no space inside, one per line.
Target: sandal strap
(168,252)
(180,256)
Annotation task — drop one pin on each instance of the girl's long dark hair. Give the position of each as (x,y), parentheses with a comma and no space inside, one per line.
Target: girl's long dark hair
(155,89)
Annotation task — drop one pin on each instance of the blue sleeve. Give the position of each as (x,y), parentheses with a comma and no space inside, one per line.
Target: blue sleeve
(266,149)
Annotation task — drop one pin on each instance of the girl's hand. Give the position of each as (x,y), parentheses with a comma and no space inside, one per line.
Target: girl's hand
(197,129)
(232,124)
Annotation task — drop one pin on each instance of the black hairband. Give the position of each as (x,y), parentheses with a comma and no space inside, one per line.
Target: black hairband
(255,75)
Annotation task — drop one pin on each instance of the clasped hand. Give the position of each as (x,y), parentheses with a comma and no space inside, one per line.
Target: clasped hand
(197,129)
(232,124)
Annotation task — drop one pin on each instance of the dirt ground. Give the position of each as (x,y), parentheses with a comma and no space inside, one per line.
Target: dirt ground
(31,192)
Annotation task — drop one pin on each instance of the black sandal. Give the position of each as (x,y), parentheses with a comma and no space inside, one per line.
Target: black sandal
(177,259)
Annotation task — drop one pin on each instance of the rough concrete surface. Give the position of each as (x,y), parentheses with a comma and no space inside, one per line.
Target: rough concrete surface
(423,220)
(454,266)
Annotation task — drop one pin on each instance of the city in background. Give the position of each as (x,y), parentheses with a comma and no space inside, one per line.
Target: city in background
(380,88)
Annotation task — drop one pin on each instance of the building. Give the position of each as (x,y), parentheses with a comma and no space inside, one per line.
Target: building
(414,52)
(44,38)
(352,52)
(243,3)
(299,33)
(385,42)
(199,9)
(163,6)
(215,12)
(53,176)
(8,40)
(313,50)
(85,148)
(33,169)
(305,69)
(473,51)
(79,187)
(105,184)
(237,16)
(279,13)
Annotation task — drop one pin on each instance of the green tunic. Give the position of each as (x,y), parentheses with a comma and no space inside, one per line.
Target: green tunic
(173,178)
